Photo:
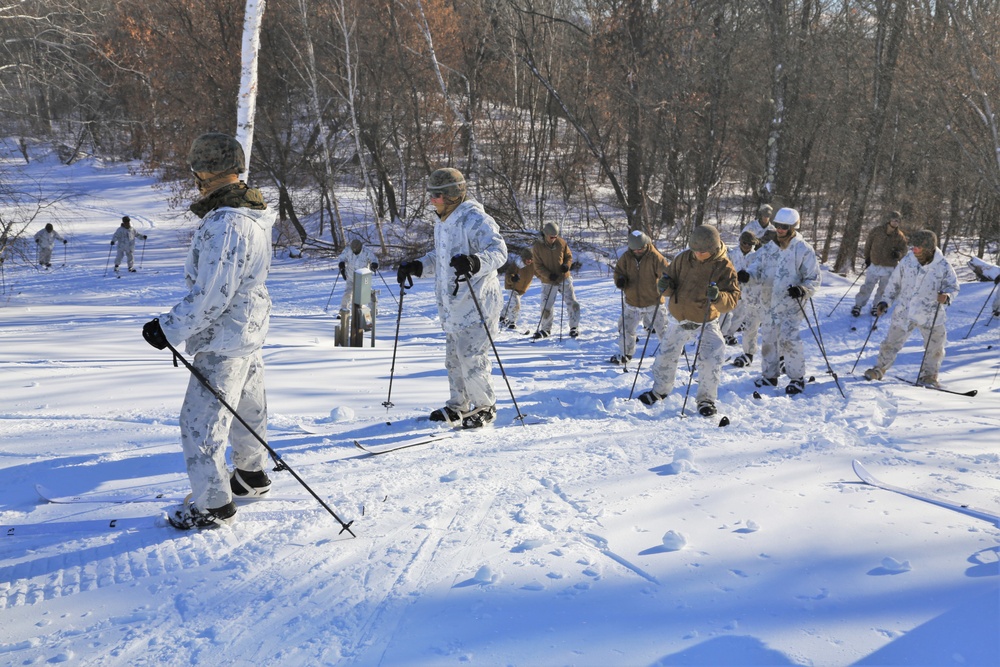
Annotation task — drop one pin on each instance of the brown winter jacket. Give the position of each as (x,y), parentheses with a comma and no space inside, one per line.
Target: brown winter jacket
(885,246)
(641,276)
(518,278)
(548,259)
(691,278)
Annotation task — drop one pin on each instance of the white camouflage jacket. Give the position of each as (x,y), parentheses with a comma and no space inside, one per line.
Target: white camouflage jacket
(352,262)
(467,231)
(125,237)
(778,268)
(47,239)
(749,292)
(913,288)
(227,307)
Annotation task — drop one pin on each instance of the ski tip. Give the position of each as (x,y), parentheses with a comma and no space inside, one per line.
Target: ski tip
(756,395)
(724,421)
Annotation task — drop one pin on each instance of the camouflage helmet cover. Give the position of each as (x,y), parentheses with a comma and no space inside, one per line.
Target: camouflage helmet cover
(925,239)
(449,182)
(215,153)
(704,238)
(356,246)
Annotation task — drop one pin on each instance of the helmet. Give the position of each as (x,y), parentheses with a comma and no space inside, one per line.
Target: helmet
(705,238)
(925,239)
(48,227)
(356,246)
(126,219)
(215,153)
(787,216)
(637,240)
(765,210)
(526,254)
(449,182)
(747,238)
(550,229)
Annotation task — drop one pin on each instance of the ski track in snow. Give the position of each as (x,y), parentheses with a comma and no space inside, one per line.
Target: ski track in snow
(545,544)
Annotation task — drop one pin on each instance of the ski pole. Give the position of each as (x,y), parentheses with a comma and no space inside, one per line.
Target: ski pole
(143,253)
(279,463)
(829,369)
(395,341)
(643,355)
(928,346)
(482,318)
(874,326)
(384,283)
(64,253)
(331,293)
(847,292)
(503,313)
(546,305)
(697,350)
(622,335)
(989,296)
(562,306)
(108,263)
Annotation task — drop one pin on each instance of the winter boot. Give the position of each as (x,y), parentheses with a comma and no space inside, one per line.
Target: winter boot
(480,417)
(511,325)
(249,484)
(874,374)
(650,397)
(706,408)
(996,312)
(765,382)
(929,381)
(445,414)
(856,311)
(743,360)
(795,387)
(573,333)
(540,334)
(187,516)
(731,340)
(620,359)
(131,270)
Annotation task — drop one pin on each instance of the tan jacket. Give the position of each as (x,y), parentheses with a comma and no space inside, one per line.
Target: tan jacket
(691,278)
(641,276)
(548,259)
(518,278)
(885,246)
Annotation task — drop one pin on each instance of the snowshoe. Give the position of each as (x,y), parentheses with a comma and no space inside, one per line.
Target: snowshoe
(856,311)
(874,374)
(187,516)
(446,414)
(795,387)
(249,484)
(480,417)
(650,397)
(540,334)
(765,382)
(743,360)
(706,408)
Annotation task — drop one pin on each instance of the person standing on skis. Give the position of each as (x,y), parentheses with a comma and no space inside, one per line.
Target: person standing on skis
(223,321)
(468,252)
(553,260)
(636,274)
(747,314)
(700,284)
(885,246)
(124,237)
(355,256)
(920,285)
(46,239)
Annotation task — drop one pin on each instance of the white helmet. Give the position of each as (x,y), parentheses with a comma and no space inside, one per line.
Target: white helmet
(787,216)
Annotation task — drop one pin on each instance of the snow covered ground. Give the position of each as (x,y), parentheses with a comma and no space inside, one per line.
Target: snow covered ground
(608,534)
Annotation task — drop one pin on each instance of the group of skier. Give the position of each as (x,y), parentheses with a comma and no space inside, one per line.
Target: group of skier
(124,238)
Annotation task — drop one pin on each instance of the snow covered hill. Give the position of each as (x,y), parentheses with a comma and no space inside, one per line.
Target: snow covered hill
(606,534)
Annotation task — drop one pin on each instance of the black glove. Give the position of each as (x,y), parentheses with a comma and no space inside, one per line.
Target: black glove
(621,282)
(665,283)
(796,292)
(112,243)
(144,237)
(554,277)
(374,266)
(515,277)
(465,265)
(343,270)
(996,281)
(39,241)
(409,270)
(882,308)
(743,276)
(64,241)
(712,292)
(564,268)
(153,334)
(868,263)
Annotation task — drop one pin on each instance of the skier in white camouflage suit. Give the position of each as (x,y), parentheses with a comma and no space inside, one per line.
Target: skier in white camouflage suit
(467,242)
(747,314)
(920,285)
(355,256)
(223,321)
(762,225)
(46,238)
(124,237)
(790,272)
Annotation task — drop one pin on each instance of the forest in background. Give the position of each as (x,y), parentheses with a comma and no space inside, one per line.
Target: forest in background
(626,114)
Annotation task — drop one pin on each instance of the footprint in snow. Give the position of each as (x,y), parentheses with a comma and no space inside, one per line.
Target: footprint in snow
(891,566)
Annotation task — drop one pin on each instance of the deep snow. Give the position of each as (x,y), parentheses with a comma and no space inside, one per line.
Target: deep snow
(608,534)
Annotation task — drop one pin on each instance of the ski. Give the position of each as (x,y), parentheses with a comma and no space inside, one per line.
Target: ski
(133,523)
(871,480)
(376,450)
(970,393)
(142,497)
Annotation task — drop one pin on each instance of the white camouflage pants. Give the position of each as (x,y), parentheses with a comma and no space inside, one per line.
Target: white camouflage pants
(467,360)
(782,339)
(628,324)
(207,425)
(899,330)
(874,275)
(748,316)
(549,305)
(125,251)
(708,363)
(513,308)
(347,300)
